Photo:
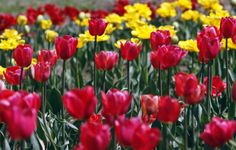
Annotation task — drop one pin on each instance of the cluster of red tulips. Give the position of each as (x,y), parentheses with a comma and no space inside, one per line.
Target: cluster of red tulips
(97,98)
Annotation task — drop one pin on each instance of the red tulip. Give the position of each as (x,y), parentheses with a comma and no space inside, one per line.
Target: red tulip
(208,42)
(84,99)
(115,102)
(168,109)
(218,132)
(55,13)
(97,27)
(119,7)
(6,21)
(23,55)
(12,75)
(66,46)
(32,14)
(95,118)
(106,60)
(130,50)
(160,38)
(145,138)
(99,13)
(149,104)
(20,110)
(152,8)
(194,4)
(41,71)
(234,91)
(125,129)
(188,87)
(227,26)
(166,56)
(94,136)
(72,12)
(49,56)
(218,86)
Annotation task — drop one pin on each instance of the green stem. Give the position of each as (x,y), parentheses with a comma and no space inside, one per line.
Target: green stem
(226,71)
(193,128)
(165,138)
(128,77)
(159,80)
(202,71)
(185,130)
(209,89)
(94,65)
(104,80)
(21,76)
(168,80)
(62,92)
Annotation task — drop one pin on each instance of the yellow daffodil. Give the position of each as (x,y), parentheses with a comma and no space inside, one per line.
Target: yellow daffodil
(89,38)
(81,43)
(170,28)
(189,45)
(190,15)
(114,18)
(137,11)
(207,4)
(143,32)
(135,40)
(50,35)
(46,24)
(133,24)
(166,10)
(22,20)
(10,33)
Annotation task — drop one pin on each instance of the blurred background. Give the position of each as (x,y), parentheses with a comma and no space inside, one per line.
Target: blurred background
(17,6)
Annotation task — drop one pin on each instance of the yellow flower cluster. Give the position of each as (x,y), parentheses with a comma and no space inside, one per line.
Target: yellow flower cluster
(83,19)
(189,45)
(190,15)
(184,4)
(115,20)
(209,4)
(166,10)
(10,39)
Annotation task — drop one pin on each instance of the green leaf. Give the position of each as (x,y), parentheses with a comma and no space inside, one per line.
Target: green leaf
(55,100)
(34,142)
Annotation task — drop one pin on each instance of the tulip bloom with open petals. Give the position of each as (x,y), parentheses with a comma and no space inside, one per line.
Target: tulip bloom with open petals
(218,132)
(218,86)
(94,136)
(23,55)
(130,50)
(234,91)
(208,43)
(168,109)
(97,27)
(125,129)
(41,71)
(115,103)
(106,60)
(188,87)
(66,46)
(160,38)
(49,56)
(12,75)
(84,99)
(227,26)
(166,56)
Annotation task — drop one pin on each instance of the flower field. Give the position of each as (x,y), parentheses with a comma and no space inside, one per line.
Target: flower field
(140,76)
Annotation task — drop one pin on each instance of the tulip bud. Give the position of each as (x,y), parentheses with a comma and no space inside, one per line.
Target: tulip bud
(51,35)
(21,20)
(66,46)
(97,27)
(23,55)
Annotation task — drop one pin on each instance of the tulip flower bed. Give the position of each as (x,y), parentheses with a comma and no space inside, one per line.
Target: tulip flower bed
(137,76)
